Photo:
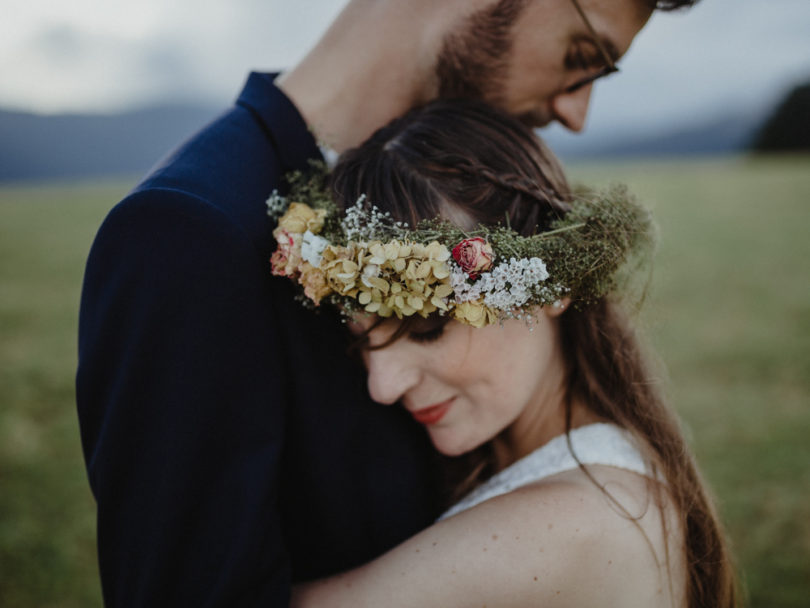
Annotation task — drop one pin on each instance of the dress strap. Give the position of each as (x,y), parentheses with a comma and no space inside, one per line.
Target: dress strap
(594,444)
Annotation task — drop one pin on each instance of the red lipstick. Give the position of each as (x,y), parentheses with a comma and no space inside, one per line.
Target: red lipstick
(432,414)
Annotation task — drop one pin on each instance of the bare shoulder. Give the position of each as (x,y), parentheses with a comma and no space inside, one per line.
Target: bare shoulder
(557,543)
(603,538)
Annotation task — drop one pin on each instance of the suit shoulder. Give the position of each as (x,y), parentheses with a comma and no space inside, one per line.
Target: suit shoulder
(163,228)
(153,208)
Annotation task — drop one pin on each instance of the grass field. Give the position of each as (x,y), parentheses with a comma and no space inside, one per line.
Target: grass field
(729,314)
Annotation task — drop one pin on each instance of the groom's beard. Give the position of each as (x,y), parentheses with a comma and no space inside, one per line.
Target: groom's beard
(535,119)
(473,62)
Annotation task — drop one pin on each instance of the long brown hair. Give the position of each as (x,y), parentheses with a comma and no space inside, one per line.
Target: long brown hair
(465,159)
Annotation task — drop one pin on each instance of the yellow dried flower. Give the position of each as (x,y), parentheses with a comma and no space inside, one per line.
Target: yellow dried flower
(313,279)
(341,270)
(476,314)
(300,217)
(392,278)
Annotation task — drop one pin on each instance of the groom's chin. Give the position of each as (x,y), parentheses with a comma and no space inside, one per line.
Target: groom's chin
(535,119)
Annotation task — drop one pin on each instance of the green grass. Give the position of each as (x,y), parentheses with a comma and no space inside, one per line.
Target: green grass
(729,314)
(47,514)
(730,317)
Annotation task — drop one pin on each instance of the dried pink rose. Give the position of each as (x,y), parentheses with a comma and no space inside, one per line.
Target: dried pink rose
(286,260)
(474,255)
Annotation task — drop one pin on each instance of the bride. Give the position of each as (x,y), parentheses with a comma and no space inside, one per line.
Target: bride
(494,323)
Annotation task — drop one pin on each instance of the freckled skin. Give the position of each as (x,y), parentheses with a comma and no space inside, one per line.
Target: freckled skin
(515,570)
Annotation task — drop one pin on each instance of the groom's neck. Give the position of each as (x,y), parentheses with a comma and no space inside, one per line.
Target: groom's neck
(375,62)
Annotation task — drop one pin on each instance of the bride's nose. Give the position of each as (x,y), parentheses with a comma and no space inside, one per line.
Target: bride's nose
(391,373)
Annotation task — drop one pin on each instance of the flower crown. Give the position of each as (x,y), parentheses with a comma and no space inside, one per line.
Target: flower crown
(363,260)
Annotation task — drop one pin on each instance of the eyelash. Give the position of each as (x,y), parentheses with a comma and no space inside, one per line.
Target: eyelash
(424,337)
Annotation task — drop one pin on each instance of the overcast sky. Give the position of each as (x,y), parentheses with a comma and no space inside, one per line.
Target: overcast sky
(97,55)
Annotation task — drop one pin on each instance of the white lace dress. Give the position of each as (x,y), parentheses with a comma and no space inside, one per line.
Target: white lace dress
(594,444)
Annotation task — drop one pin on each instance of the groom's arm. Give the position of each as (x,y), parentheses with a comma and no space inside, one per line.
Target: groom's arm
(177,359)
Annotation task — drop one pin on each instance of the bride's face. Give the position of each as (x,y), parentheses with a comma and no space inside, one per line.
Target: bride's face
(466,385)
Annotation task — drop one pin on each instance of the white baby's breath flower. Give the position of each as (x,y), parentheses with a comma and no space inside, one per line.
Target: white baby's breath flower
(276,205)
(363,221)
(536,270)
(508,286)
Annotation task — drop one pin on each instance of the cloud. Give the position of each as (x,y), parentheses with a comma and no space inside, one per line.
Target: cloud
(60,44)
(722,55)
(64,67)
(88,55)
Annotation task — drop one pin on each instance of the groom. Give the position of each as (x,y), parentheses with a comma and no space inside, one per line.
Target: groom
(230,442)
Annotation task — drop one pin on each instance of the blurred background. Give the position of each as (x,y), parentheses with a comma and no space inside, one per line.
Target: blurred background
(709,122)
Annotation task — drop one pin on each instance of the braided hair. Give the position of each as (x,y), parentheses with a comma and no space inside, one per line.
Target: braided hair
(437,167)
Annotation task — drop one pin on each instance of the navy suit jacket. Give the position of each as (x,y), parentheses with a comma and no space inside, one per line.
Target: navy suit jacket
(230,441)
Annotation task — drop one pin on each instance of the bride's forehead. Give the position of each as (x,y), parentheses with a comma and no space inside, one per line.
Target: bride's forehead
(361,322)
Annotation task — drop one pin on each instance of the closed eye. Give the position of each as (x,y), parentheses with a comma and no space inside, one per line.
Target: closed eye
(426,336)
(584,57)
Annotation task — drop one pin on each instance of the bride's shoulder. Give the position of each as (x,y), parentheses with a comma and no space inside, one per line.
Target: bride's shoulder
(558,542)
(597,535)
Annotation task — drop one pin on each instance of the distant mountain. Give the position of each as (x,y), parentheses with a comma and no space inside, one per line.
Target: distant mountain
(71,145)
(788,128)
(78,146)
(728,134)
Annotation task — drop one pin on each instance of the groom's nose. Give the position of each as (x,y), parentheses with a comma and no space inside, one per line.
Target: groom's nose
(571,109)
(390,373)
